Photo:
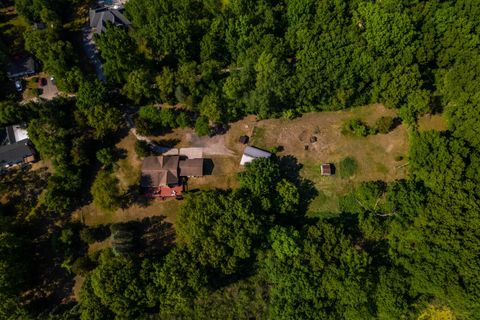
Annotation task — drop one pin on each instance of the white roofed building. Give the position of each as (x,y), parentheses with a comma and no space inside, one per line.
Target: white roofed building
(252,153)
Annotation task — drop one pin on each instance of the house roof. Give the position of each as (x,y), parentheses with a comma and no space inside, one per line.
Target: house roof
(15,153)
(252,153)
(99,18)
(165,170)
(16,133)
(20,67)
(191,168)
(159,171)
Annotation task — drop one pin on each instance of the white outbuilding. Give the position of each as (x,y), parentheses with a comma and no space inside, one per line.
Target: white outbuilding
(252,153)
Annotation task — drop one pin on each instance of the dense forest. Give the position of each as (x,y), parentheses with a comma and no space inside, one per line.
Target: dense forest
(406,249)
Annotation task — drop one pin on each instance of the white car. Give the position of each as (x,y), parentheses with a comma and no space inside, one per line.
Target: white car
(18,85)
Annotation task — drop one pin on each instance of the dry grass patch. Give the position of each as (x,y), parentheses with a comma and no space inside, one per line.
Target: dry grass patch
(435,122)
(92,216)
(223,175)
(375,154)
(129,168)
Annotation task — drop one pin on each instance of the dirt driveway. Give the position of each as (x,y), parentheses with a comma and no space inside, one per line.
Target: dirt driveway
(213,146)
(50,90)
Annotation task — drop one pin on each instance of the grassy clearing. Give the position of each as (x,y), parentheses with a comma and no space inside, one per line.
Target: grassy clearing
(377,157)
(223,175)
(91,216)
(129,167)
(375,154)
(435,122)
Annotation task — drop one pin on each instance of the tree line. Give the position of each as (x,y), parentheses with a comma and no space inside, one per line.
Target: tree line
(404,249)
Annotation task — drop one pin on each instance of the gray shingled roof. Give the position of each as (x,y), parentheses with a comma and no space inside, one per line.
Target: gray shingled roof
(191,168)
(159,171)
(21,67)
(100,17)
(15,153)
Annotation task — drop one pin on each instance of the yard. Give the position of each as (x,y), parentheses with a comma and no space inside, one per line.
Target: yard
(379,157)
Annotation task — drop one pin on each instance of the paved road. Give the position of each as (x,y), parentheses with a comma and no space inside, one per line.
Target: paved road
(92,52)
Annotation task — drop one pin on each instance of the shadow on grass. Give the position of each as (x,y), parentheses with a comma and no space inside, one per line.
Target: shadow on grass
(150,237)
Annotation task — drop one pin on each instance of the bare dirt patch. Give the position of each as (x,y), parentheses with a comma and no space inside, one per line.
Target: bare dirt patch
(211,145)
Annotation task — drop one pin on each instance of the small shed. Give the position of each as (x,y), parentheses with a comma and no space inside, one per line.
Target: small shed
(252,153)
(326,169)
(243,139)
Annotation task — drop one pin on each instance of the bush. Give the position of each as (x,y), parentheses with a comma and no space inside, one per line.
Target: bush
(105,192)
(384,124)
(82,266)
(93,234)
(143,126)
(142,149)
(88,235)
(289,114)
(183,120)
(348,167)
(202,127)
(355,127)
(106,156)
(36,91)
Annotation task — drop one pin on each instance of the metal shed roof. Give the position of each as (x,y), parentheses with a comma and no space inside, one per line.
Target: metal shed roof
(252,153)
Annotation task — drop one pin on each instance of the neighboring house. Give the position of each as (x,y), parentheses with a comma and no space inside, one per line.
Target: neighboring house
(15,148)
(252,153)
(161,175)
(21,67)
(101,16)
(15,154)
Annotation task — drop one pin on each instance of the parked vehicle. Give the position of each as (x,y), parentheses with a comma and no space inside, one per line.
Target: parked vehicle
(18,85)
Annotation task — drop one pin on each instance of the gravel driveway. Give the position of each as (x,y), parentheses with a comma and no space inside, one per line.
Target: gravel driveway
(211,145)
(50,90)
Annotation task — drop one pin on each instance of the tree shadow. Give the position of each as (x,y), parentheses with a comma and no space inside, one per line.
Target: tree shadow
(168,143)
(395,123)
(51,283)
(219,129)
(120,153)
(290,169)
(150,237)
